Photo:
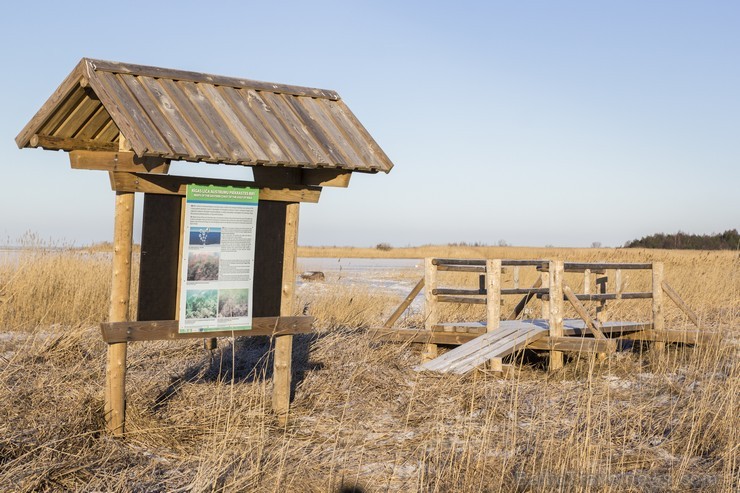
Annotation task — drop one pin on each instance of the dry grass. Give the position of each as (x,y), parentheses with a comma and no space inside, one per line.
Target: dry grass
(361,416)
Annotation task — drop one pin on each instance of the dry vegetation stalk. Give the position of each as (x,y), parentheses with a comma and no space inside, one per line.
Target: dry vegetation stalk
(361,417)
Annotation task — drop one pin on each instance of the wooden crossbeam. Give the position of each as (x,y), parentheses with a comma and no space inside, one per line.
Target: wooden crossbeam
(581,310)
(167,330)
(405,304)
(673,295)
(689,336)
(177,185)
(117,161)
(574,344)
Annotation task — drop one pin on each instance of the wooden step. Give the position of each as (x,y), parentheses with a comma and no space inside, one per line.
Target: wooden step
(496,344)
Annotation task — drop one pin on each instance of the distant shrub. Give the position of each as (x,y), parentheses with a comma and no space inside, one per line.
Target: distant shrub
(383,246)
(729,240)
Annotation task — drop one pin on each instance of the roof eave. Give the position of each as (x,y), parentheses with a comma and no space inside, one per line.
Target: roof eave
(23,139)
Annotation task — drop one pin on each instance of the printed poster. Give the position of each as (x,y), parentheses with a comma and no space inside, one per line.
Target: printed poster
(217,268)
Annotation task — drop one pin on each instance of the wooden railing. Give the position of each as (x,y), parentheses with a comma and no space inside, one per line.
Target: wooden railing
(550,287)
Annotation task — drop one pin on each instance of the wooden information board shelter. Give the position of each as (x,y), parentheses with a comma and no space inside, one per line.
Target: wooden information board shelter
(132,121)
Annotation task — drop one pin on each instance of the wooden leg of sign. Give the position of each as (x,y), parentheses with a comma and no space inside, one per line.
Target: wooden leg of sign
(115,385)
(281,374)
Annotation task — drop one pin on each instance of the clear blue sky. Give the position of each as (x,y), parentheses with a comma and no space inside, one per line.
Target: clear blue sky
(533,122)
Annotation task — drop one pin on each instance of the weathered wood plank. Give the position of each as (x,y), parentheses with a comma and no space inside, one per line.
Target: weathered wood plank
(488,341)
(265,117)
(153,142)
(205,134)
(255,128)
(234,123)
(175,118)
(287,118)
(168,330)
(358,136)
(157,116)
(80,114)
(503,348)
(319,114)
(385,162)
(215,123)
(95,125)
(177,185)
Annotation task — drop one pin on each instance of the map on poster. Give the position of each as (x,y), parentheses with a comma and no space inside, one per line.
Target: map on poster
(217,268)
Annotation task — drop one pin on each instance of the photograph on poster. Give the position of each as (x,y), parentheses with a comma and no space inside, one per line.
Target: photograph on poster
(205,236)
(203,266)
(233,303)
(201,303)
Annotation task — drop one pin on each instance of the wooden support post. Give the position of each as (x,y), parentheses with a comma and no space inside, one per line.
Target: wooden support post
(658,315)
(115,382)
(618,283)
(516,276)
(405,304)
(557,270)
(431,309)
(587,281)
(545,283)
(281,374)
(601,313)
(493,294)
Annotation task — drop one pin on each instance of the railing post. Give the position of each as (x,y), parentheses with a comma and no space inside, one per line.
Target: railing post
(493,294)
(431,309)
(545,283)
(658,314)
(556,269)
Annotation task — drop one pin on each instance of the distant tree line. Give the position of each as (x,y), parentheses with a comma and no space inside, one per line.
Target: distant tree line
(729,240)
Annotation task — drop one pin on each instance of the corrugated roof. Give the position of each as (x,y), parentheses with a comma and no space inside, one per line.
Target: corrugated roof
(200,117)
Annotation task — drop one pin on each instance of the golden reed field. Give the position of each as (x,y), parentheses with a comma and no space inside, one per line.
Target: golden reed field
(362,419)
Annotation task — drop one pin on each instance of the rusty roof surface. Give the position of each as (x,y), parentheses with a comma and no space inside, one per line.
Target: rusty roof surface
(200,117)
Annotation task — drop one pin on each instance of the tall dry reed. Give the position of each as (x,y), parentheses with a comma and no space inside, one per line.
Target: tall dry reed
(361,417)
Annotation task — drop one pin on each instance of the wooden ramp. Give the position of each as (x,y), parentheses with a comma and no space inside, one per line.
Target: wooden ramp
(496,344)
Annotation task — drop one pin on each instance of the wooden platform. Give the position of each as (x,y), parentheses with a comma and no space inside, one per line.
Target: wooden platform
(495,344)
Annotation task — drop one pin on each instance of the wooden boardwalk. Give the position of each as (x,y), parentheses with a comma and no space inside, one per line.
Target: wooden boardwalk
(513,336)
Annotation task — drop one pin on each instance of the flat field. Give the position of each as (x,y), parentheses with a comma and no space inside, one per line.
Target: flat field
(362,419)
